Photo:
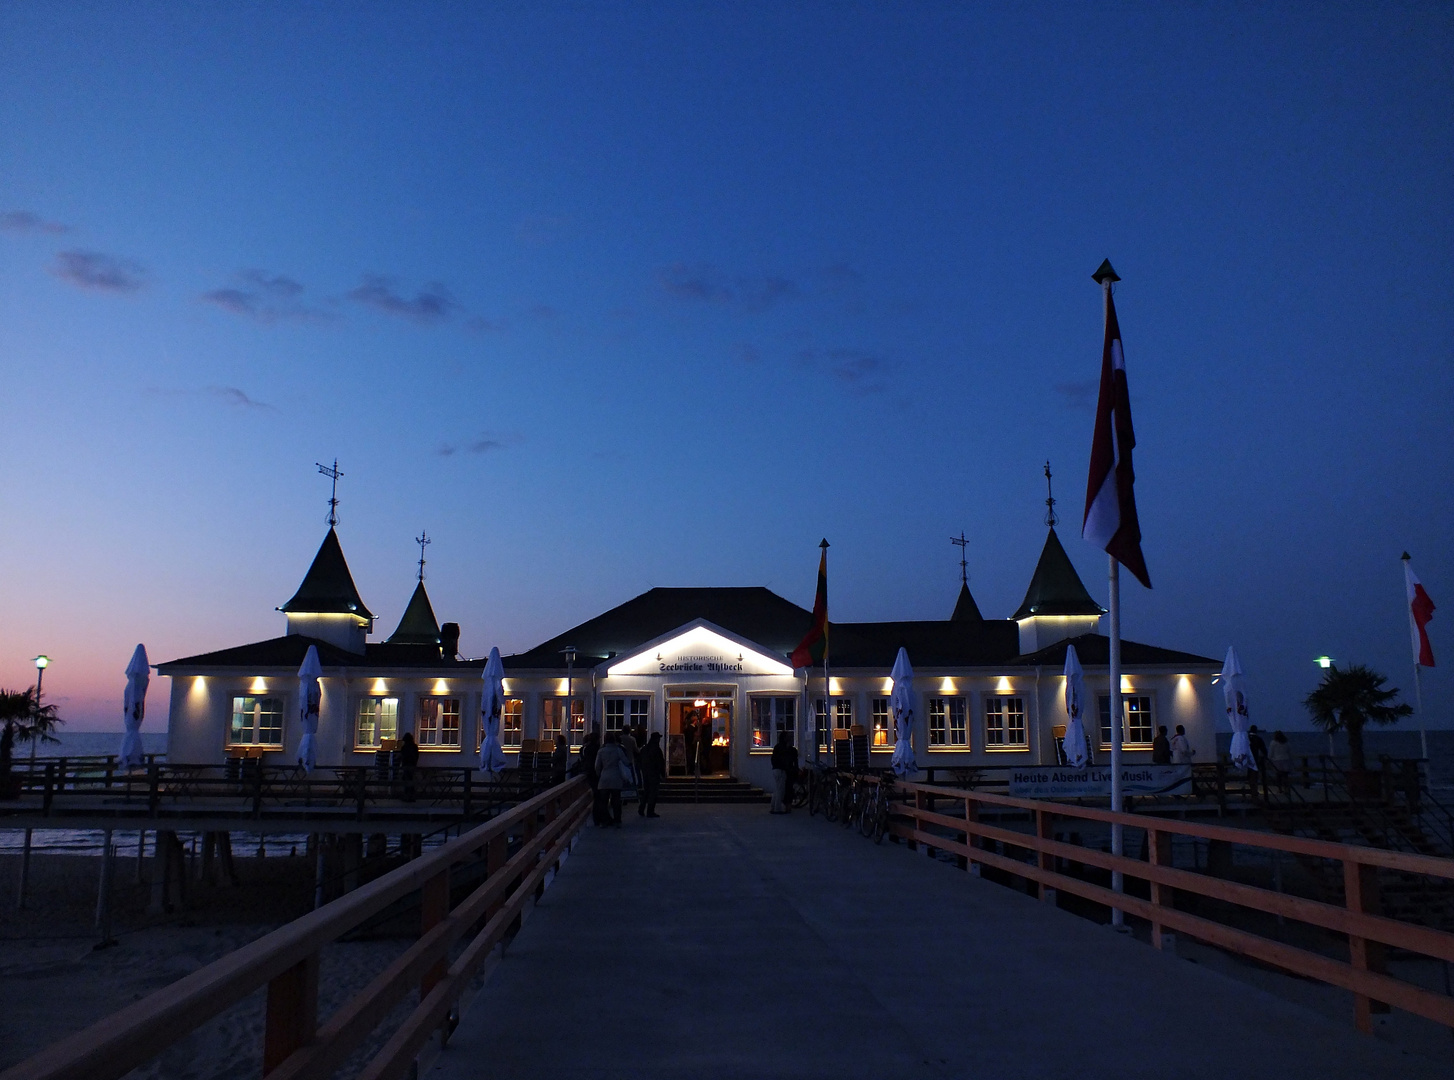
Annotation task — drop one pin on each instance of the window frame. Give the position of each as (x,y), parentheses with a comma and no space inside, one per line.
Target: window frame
(256,699)
(1005,746)
(369,747)
(948,727)
(874,713)
(1103,728)
(577,715)
(439,746)
(782,715)
(630,714)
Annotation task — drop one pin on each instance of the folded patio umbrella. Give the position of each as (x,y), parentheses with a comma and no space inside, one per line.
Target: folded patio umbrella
(492,705)
(1077,749)
(1235,691)
(138,674)
(310,696)
(901,700)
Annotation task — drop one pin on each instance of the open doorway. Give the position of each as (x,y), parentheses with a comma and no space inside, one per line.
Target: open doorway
(699,730)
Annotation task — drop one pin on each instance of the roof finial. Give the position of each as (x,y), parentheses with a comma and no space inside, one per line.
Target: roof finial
(1050,516)
(332,474)
(423,541)
(962,544)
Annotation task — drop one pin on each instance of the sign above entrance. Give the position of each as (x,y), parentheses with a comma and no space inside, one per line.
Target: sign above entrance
(700,651)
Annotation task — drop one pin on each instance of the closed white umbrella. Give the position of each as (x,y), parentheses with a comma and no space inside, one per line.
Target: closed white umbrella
(138,674)
(310,696)
(492,706)
(1077,748)
(902,703)
(1235,691)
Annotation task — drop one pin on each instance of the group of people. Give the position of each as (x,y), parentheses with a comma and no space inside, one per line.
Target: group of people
(697,736)
(1273,762)
(1176,750)
(616,762)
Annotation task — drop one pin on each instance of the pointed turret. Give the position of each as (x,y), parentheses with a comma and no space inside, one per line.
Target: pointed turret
(965,609)
(418,626)
(1057,604)
(327,604)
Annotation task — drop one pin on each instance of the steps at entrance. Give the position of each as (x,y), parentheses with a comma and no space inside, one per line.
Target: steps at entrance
(710,789)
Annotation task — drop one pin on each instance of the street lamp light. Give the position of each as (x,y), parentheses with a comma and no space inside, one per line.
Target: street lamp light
(1324,662)
(41,663)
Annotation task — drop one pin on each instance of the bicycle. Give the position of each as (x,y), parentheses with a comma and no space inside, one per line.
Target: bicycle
(873,823)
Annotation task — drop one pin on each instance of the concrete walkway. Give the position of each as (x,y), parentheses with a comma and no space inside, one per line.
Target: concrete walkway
(724,942)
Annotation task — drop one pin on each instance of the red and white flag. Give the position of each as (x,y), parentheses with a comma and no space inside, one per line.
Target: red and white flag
(1110,501)
(1421,610)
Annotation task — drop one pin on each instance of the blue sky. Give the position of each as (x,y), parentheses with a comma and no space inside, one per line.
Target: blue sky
(607,297)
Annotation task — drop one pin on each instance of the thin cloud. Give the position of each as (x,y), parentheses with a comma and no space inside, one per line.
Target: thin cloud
(858,372)
(839,275)
(433,303)
(23,221)
(486,443)
(265,297)
(701,283)
(767,292)
(704,283)
(1079,395)
(103,273)
(481,325)
(235,396)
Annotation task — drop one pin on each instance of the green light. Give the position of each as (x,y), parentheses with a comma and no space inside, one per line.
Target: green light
(42,661)
(1325,662)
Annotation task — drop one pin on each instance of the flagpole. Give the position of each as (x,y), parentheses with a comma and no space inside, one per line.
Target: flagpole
(827,697)
(1117,837)
(1418,679)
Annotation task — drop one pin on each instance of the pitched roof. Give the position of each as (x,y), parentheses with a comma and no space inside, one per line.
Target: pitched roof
(930,644)
(754,613)
(328,586)
(1094,650)
(965,609)
(1055,588)
(418,626)
(288,652)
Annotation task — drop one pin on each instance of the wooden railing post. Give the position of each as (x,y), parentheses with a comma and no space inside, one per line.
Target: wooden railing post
(1158,851)
(971,813)
(497,853)
(1360,894)
(292,1012)
(433,908)
(921,802)
(1044,829)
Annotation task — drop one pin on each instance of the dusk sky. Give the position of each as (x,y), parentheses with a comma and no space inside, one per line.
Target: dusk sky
(613,296)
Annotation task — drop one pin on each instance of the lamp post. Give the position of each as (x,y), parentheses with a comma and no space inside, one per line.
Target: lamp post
(1326,662)
(41,663)
(570,715)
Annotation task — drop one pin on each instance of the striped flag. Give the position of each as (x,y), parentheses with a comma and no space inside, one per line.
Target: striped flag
(1110,500)
(814,646)
(1421,611)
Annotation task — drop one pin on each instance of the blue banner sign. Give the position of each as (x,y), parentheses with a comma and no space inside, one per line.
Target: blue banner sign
(1094,781)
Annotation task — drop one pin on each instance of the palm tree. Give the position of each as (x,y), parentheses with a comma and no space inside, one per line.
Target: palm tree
(24,720)
(1348,698)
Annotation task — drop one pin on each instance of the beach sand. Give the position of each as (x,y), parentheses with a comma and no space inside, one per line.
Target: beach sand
(54,982)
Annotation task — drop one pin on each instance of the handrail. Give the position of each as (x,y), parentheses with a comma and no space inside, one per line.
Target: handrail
(286,960)
(1366,930)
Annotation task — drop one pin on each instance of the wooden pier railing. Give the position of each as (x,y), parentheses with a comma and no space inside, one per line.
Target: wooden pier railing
(296,1046)
(982,843)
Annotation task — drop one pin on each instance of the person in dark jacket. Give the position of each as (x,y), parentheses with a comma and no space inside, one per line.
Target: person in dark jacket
(408,762)
(559,759)
(1161,748)
(784,765)
(589,749)
(652,763)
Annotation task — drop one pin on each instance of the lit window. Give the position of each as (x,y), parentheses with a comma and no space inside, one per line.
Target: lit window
(948,724)
(1004,722)
(554,712)
(378,719)
(883,724)
(771,716)
(623,712)
(1140,720)
(512,723)
(842,718)
(257,721)
(438,722)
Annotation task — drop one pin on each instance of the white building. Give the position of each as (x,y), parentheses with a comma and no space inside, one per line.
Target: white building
(990,691)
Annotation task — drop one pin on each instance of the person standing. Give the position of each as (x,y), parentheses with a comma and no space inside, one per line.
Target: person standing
(1279,756)
(610,777)
(689,739)
(784,764)
(652,763)
(559,760)
(629,747)
(1181,751)
(1161,747)
(589,750)
(408,762)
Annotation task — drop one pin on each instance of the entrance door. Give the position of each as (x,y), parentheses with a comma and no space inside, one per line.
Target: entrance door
(699,730)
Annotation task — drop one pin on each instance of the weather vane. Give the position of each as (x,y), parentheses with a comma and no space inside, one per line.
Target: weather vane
(963,545)
(333,474)
(423,541)
(1050,515)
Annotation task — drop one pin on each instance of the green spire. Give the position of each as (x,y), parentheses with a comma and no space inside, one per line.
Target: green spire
(328,586)
(418,626)
(1056,588)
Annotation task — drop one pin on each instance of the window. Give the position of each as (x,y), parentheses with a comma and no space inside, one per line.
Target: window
(378,719)
(257,721)
(842,718)
(1004,722)
(948,724)
(512,723)
(1140,720)
(438,722)
(771,716)
(882,714)
(623,712)
(554,713)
